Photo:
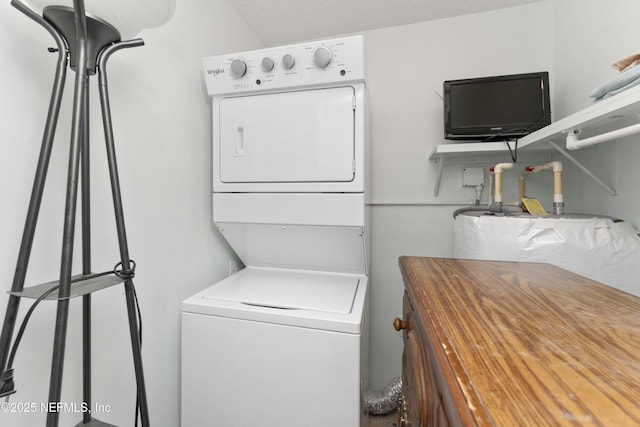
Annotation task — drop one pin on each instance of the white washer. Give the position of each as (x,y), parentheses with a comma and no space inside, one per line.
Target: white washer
(284,341)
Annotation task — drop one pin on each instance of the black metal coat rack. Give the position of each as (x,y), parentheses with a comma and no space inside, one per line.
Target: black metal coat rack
(84,44)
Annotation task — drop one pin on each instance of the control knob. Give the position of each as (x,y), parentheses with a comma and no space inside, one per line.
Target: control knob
(238,68)
(267,64)
(288,61)
(322,57)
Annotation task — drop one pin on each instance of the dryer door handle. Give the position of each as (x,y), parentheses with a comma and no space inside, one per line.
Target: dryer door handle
(239,139)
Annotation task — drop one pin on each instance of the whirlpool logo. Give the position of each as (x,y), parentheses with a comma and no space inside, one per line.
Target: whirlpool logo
(215,71)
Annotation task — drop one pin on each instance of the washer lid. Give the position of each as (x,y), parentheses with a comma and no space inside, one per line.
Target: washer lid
(289,290)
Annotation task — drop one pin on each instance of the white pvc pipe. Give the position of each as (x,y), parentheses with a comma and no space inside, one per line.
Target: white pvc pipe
(582,168)
(501,166)
(573,143)
(528,170)
(556,167)
(491,185)
(558,195)
(497,170)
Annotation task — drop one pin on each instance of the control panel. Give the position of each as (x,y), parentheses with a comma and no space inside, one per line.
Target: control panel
(322,62)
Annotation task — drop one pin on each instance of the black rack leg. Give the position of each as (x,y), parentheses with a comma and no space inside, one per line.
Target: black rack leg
(62,314)
(78,123)
(122,239)
(86,259)
(34,207)
(137,352)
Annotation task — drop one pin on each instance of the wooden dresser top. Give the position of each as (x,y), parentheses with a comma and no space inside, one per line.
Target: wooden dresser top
(529,344)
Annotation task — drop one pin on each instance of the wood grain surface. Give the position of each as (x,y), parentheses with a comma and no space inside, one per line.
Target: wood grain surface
(526,344)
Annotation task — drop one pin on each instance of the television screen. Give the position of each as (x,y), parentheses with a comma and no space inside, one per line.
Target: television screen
(496,108)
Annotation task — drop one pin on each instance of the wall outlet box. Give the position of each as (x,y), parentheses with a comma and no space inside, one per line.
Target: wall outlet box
(472,177)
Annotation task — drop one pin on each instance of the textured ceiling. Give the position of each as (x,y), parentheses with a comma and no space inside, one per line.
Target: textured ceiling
(288,21)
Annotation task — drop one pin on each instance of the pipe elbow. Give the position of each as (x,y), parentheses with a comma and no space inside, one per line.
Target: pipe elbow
(556,166)
(500,167)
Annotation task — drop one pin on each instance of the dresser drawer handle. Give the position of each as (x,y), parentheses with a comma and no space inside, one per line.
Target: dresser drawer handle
(399,324)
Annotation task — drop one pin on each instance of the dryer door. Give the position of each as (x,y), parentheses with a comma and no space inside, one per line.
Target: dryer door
(304,136)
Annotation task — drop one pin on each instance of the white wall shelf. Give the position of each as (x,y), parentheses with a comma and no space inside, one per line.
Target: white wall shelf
(603,121)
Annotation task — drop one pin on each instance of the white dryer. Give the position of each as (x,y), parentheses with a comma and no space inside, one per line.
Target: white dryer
(284,342)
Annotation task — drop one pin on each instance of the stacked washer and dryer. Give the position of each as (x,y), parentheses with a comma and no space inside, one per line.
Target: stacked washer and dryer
(284,341)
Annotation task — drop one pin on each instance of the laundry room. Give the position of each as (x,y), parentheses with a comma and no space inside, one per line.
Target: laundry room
(191,86)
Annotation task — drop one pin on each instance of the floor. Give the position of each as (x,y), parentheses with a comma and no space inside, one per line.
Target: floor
(390,420)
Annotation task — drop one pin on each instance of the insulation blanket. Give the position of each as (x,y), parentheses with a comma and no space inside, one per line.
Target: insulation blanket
(598,248)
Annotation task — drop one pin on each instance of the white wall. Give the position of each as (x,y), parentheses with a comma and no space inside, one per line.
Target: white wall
(163,135)
(406,66)
(586,46)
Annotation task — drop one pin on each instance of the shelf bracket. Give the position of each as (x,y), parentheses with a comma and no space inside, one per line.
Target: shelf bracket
(436,188)
(583,168)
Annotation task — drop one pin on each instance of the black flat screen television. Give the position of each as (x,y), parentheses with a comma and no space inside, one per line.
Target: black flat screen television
(496,108)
